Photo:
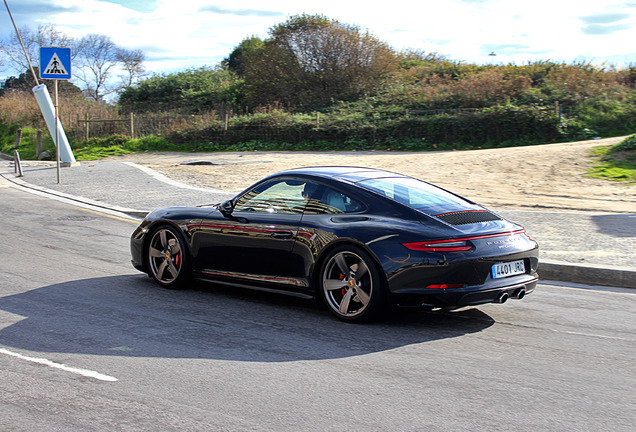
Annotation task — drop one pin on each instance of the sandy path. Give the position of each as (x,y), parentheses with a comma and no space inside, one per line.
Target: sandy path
(550,176)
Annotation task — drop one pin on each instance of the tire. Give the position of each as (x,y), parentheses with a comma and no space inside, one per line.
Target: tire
(350,284)
(168,258)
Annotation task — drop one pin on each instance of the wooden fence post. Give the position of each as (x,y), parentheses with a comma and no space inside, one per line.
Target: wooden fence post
(132,125)
(227,122)
(38,145)
(86,117)
(18,138)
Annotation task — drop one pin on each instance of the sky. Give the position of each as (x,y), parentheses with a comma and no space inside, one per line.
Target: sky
(176,35)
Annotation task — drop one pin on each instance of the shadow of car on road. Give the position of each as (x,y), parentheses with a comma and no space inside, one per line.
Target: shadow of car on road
(616,225)
(130,316)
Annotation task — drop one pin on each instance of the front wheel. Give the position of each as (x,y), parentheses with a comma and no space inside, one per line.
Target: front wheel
(168,258)
(350,284)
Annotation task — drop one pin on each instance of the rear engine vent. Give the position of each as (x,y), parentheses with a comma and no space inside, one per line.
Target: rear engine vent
(467,217)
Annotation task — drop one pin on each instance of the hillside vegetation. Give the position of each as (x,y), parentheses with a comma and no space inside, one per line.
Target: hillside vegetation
(318,84)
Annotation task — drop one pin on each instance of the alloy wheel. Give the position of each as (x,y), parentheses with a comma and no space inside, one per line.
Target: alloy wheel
(348,284)
(166,257)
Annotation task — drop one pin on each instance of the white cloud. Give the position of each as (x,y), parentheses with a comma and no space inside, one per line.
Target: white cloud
(177,34)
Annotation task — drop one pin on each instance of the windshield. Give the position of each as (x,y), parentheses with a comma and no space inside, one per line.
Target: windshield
(417,194)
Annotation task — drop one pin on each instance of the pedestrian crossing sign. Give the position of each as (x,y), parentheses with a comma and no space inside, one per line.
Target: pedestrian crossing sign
(55,63)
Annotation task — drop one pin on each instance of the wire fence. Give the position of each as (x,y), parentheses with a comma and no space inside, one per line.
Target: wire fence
(252,127)
(134,125)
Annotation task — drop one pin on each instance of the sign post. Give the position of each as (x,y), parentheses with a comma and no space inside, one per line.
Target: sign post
(55,64)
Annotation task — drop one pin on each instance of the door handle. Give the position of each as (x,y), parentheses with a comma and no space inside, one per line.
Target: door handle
(283,235)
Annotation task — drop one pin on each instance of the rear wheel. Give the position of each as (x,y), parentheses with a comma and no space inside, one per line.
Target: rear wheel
(350,284)
(168,258)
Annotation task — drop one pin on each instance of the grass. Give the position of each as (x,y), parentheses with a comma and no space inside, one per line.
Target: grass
(115,145)
(616,162)
(28,144)
(92,153)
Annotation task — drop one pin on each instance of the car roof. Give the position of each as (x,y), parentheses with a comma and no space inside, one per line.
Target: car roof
(346,173)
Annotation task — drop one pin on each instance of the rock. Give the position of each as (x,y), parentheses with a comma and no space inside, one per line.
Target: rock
(45,155)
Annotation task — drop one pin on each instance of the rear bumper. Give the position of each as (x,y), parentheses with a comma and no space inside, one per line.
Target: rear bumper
(438,281)
(514,288)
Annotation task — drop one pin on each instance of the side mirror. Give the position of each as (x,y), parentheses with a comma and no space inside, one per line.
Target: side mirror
(226,207)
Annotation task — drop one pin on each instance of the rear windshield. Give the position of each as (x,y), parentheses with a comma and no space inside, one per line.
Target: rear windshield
(417,194)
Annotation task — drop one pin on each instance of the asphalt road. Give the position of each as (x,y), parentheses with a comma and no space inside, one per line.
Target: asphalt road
(87,343)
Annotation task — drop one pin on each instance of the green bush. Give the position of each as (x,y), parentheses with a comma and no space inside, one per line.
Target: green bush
(575,130)
(608,117)
(628,144)
(428,103)
(194,90)
(490,127)
(8,134)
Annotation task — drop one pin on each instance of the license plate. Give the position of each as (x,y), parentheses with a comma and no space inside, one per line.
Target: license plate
(502,270)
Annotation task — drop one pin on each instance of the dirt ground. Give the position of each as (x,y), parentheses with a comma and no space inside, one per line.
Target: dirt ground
(550,176)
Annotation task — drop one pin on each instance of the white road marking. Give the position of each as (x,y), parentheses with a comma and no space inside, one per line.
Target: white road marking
(593,335)
(49,363)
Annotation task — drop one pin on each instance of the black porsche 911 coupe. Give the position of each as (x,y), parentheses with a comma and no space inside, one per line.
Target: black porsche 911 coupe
(357,238)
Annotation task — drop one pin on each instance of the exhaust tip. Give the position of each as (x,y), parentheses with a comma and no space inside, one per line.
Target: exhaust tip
(520,293)
(502,298)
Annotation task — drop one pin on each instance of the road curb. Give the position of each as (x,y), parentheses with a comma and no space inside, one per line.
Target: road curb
(587,274)
(73,199)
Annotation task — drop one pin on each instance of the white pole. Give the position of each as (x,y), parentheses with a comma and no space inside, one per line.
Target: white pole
(52,122)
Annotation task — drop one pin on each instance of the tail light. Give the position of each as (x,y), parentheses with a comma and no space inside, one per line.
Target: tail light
(459,245)
(454,245)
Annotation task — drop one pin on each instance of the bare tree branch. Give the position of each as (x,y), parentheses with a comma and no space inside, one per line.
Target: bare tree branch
(131,61)
(47,35)
(96,60)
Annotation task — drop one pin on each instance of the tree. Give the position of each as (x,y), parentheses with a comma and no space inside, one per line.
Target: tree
(131,62)
(99,59)
(311,61)
(96,62)
(25,82)
(46,35)
(240,56)
(192,91)
(415,57)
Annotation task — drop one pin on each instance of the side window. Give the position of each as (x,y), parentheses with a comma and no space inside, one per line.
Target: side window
(329,201)
(277,196)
